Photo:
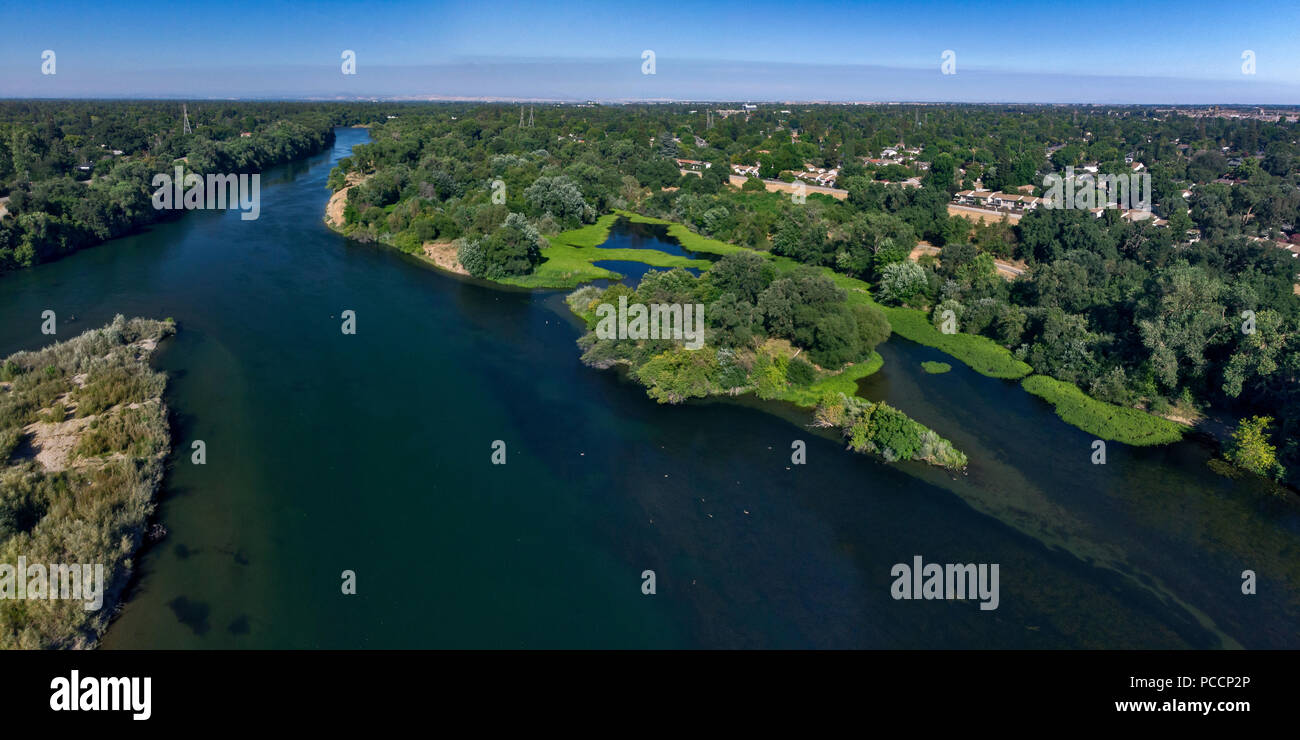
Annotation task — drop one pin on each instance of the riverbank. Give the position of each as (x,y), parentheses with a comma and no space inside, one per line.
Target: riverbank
(568,262)
(83,440)
(54,223)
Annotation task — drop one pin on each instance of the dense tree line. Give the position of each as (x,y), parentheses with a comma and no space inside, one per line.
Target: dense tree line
(77,173)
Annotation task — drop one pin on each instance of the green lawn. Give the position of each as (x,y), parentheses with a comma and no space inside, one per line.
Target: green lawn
(935,368)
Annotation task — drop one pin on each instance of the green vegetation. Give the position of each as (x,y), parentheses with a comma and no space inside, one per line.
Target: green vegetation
(90,503)
(591,235)
(880,428)
(982,354)
(763,331)
(1249,448)
(845,381)
(567,262)
(1105,420)
(935,368)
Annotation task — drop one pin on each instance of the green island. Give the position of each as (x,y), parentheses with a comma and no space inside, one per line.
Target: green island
(789,335)
(93,409)
(936,368)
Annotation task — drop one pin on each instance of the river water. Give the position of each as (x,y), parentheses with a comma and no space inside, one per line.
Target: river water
(372,453)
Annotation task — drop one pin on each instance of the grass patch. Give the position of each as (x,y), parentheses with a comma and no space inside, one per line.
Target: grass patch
(568,266)
(689,240)
(1104,420)
(845,382)
(935,368)
(982,354)
(588,236)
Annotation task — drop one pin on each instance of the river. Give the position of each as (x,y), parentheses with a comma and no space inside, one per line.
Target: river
(371,453)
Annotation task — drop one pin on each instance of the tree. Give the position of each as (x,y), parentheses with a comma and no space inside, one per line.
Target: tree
(943,172)
(745,274)
(902,283)
(1250,448)
(515,248)
(560,197)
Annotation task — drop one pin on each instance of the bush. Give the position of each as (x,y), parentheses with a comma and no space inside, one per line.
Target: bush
(675,375)
(800,372)
(880,428)
(1251,450)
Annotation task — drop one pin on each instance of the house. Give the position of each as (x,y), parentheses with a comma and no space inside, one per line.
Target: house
(694,165)
(977,198)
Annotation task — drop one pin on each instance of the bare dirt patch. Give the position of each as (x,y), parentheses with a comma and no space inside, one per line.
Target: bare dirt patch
(981,214)
(339,200)
(443,254)
(1008,269)
(53,443)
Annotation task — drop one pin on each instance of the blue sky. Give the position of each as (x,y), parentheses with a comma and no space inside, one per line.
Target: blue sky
(1046,51)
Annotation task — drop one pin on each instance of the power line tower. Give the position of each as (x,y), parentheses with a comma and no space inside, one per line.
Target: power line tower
(530,116)
(186,113)
(521,116)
